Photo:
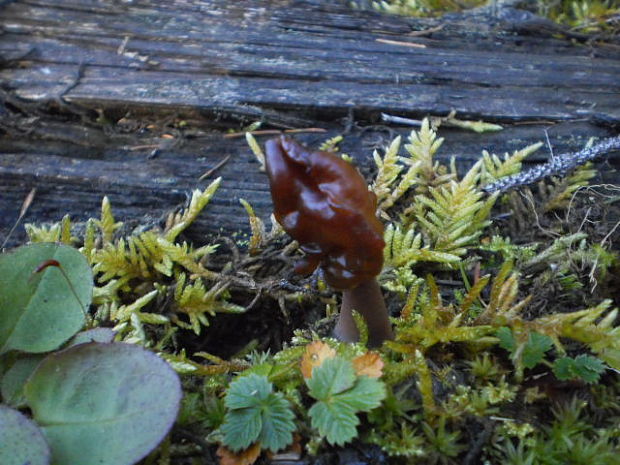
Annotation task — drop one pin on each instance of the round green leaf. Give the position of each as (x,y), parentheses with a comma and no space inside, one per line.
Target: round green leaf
(103,404)
(41,310)
(21,441)
(14,380)
(93,335)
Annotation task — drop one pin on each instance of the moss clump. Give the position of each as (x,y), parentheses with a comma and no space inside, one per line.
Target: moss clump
(587,16)
(421,7)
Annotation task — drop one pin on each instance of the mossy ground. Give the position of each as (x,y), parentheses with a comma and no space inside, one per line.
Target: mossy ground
(456,393)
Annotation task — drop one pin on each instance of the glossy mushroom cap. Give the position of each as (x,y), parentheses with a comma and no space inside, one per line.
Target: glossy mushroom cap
(324,203)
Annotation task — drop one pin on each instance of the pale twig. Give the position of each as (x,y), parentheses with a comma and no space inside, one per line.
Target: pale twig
(215,168)
(400,120)
(528,197)
(268,132)
(549,144)
(402,44)
(426,32)
(25,205)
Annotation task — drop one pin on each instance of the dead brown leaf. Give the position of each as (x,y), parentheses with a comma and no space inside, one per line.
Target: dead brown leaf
(369,364)
(245,457)
(292,453)
(316,353)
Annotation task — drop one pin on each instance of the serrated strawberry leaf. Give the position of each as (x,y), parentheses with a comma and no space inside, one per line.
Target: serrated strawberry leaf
(583,366)
(336,421)
(535,348)
(241,428)
(278,425)
(366,394)
(247,391)
(256,413)
(340,395)
(506,339)
(334,375)
(564,368)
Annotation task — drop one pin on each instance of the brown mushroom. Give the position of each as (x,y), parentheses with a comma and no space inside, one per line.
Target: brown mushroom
(324,203)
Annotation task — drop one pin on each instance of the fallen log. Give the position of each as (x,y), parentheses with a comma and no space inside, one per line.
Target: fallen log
(134,99)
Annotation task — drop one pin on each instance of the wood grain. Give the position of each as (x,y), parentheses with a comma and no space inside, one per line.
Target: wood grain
(92,94)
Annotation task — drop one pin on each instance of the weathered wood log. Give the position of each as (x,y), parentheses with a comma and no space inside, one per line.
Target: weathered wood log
(132,99)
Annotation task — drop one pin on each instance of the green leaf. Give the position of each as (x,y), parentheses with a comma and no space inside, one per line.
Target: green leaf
(334,375)
(506,339)
(583,366)
(336,421)
(103,404)
(256,413)
(14,380)
(241,428)
(589,368)
(278,425)
(366,394)
(248,391)
(532,352)
(21,441)
(93,335)
(564,368)
(41,310)
(340,396)
(535,348)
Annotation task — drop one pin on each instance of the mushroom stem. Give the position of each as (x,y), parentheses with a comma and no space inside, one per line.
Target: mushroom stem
(368,301)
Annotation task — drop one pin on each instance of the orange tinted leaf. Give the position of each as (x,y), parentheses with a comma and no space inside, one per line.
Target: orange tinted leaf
(244,457)
(316,353)
(369,364)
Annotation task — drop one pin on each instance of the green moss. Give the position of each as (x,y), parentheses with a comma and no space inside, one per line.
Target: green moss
(582,15)
(423,7)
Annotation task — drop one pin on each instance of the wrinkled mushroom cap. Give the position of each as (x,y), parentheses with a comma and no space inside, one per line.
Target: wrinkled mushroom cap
(324,203)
